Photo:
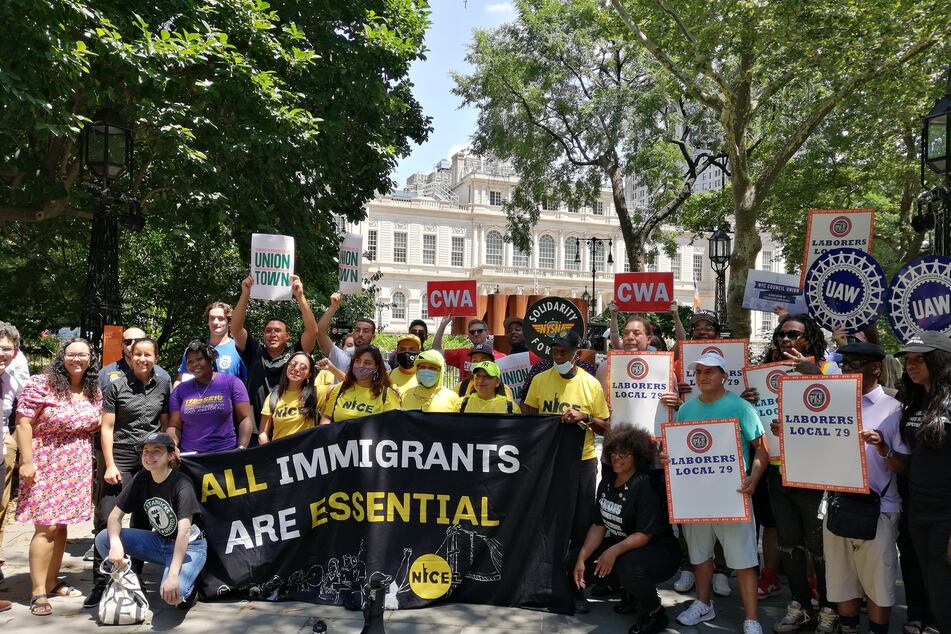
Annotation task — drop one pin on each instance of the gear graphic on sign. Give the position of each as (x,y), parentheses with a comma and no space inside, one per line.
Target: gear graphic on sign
(845,288)
(918,297)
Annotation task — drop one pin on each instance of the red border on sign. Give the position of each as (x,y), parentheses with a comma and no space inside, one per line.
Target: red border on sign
(805,253)
(671,379)
(456,285)
(648,306)
(711,342)
(767,366)
(741,473)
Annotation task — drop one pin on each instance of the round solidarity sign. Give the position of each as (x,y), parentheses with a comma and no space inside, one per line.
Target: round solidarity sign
(845,288)
(548,317)
(919,298)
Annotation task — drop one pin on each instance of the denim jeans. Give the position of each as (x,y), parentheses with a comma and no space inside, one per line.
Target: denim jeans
(151,547)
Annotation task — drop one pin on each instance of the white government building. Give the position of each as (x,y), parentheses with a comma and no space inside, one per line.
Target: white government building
(449,224)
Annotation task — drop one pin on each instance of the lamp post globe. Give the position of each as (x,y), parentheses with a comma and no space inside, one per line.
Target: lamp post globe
(935,148)
(720,250)
(107,146)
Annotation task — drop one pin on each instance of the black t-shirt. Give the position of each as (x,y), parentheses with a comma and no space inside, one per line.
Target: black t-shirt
(137,407)
(264,371)
(630,508)
(929,477)
(163,503)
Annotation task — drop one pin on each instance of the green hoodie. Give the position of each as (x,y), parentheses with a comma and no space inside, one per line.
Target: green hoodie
(431,399)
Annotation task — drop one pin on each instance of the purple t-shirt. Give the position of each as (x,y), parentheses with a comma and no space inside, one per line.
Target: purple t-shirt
(208,412)
(882,413)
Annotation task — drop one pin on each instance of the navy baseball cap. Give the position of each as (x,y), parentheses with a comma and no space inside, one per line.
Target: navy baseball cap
(863,349)
(568,339)
(158,438)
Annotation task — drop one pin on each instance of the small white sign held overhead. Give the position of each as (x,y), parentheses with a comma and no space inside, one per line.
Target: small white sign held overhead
(351,255)
(272,265)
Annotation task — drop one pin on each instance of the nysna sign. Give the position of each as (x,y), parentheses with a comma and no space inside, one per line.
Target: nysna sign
(643,292)
(272,265)
(456,298)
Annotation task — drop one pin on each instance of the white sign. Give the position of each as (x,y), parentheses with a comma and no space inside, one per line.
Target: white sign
(834,229)
(820,418)
(351,254)
(765,380)
(636,381)
(515,369)
(766,290)
(272,265)
(733,350)
(705,472)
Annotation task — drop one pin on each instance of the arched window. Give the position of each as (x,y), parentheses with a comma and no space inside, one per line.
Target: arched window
(493,248)
(546,252)
(571,253)
(599,255)
(519,258)
(399,306)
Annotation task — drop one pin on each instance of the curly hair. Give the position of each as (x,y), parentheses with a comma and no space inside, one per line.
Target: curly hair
(815,340)
(58,377)
(935,406)
(635,440)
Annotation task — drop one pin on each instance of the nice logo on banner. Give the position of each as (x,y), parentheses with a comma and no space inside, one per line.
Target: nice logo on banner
(643,292)
(456,298)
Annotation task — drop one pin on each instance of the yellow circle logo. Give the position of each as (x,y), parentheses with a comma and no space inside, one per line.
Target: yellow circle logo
(430,577)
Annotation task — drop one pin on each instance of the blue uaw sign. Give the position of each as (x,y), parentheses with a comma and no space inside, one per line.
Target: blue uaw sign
(845,288)
(919,298)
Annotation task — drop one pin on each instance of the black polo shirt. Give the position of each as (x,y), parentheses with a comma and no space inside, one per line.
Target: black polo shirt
(137,407)
(264,371)
(114,370)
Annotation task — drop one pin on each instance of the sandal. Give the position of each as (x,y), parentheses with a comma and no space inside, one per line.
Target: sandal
(39,606)
(913,627)
(62,589)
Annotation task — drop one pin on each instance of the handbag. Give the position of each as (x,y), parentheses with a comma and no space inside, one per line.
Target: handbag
(123,602)
(855,515)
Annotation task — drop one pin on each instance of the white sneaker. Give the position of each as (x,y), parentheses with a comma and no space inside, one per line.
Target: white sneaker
(828,621)
(721,585)
(697,613)
(89,555)
(752,627)
(684,582)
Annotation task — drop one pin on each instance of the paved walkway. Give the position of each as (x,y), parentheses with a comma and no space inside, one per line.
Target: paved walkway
(245,617)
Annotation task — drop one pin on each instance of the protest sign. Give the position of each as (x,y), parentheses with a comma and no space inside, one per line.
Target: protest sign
(765,380)
(111,344)
(835,228)
(448,507)
(456,298)
(766,290)
(643,292)
(547,318)
(515,369)
(820,418)
(919,297)
(705,472)
(636,381)
(845,288)
(349,258)
(733,350)
(272,265)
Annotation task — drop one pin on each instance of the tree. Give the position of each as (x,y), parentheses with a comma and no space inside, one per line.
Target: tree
(771,73)
(572,107)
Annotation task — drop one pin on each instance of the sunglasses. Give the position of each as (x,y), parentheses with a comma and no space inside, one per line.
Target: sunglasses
(789,334)
(132,342)
(619,454)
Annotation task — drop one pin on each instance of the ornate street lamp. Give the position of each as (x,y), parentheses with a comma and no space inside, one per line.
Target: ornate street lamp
(593,245)
(935,149)
(720,249)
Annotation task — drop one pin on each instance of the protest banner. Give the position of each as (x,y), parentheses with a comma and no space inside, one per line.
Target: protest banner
(766,290)
(733,350)
(515,369)
(448,507)
(111,344)
(845,288)
(272,265)
(548,317)
(834,228)
(765,380)
(643,292)
(705,472)
(919,297)
(820,418)
(455,297)
(636,381)
(349,259)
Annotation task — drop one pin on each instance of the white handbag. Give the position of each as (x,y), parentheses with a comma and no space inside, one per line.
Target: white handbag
(123,602)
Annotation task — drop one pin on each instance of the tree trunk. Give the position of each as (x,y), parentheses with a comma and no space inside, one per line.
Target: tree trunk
(633,239)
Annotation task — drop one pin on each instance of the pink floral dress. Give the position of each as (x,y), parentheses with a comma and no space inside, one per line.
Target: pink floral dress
(61,492)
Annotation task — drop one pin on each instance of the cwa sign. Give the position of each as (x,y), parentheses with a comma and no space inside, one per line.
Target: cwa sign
(456,298)
(643,292)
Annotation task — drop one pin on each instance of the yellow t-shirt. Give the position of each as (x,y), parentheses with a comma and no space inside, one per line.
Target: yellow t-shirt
(286,416)
(402,381)
(478,405)
(326,378)
(470,389)
(357,402)
(441,399)
(552,394)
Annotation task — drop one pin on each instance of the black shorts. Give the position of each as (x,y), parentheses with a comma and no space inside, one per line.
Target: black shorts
(762,511)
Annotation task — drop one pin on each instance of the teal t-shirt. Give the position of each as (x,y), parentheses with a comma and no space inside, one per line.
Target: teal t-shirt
(730,406)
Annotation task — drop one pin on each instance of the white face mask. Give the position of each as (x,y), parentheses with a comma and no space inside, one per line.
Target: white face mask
(565,368)
(349,349)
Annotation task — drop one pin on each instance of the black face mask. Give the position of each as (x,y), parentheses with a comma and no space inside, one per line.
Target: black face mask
(406,359)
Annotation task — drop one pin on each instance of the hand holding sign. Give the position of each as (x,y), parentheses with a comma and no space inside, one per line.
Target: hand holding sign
(456,298)
(272,265)
(643,292)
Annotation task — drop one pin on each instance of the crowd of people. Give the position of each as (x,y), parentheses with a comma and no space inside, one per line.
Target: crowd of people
(109,439)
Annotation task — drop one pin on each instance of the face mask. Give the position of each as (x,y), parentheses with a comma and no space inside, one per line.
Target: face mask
(349,349)
(427,378)
(406,359)
(363,372)
(565,368)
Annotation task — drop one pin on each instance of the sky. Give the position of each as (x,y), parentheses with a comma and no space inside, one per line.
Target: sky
(447,40)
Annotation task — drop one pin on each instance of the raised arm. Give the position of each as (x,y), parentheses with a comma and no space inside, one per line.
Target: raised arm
(437,340)
(308,338)
(238,332)
(613,328)
(679,331)
(323,325)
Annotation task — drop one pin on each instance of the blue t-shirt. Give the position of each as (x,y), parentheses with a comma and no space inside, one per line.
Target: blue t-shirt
(229,362)
(730,406)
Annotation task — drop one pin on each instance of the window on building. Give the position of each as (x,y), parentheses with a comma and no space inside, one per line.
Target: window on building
(573,208)
(399,306)
(519,258)
(371,245)
(458,252)
(599,255)
(493,248)
(627,262)
(399,246)
(571,255)
(598,208)
(495,198)
(766,323)
(549,205)
(675,265)
(697,268)
(652,262)
(429,248)
(424,308)
(546,252)
(767,261)
(341,224)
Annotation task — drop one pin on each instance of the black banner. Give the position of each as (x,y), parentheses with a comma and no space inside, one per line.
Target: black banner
(462,508)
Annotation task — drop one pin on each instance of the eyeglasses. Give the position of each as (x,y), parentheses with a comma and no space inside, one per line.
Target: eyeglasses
(77,356)
(619,454)
(477,331)
(132,342)
(418,333)
(7,349)
(855,364)
(789,334)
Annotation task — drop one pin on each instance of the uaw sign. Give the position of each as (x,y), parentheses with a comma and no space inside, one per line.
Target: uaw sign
(919,297)
(636,381)
(845,288)
(734,351)
(819,421)
(547,318)
(836,228)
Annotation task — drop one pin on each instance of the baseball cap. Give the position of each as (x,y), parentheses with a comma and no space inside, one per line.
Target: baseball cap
(568,339)
(705,315)
(490,368)
(158,438)
(710,359)
(863,349)
(926,342)
(412,338)
(482,348)
(511,320)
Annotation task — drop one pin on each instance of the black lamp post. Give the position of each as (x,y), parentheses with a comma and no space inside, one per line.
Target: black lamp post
(935,149)
(720,250)
(593,245)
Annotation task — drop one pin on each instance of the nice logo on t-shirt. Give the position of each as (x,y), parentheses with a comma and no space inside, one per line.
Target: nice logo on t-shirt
(357,406)
(161,516)
(557,406)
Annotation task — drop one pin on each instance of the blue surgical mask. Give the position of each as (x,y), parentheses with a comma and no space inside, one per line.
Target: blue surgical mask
(564,368)
(427,378)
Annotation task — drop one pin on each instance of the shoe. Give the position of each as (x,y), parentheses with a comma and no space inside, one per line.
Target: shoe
(90,554)
(189,601)
(796,619)
(752,627)
(603,590)
(628,605)
(697,613)
(685,581)
(650,623)
(849,629)
(827,621)
(913,627)
(581,604)
(931,629)
(95,596)
(768,585)
(721,585)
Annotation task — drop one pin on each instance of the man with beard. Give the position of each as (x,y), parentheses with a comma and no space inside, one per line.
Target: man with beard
(364,330)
